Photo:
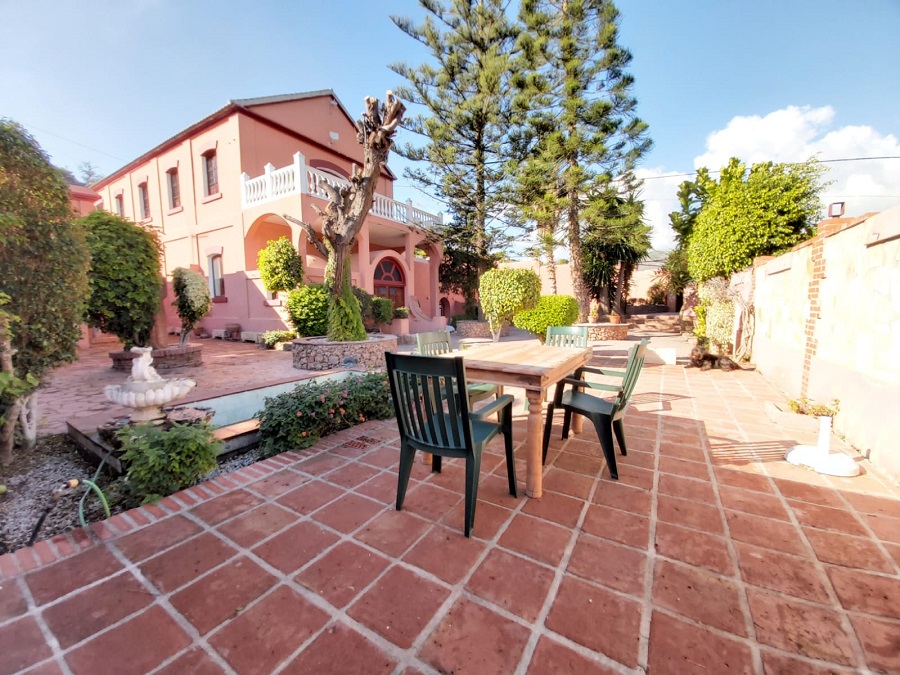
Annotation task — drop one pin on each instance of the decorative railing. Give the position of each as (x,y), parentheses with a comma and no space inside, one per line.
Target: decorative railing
(299,178)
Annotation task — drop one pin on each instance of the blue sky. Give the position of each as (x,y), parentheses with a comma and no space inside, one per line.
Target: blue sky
(106,80)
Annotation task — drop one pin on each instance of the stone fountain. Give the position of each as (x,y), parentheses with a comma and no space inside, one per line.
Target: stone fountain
(145,390)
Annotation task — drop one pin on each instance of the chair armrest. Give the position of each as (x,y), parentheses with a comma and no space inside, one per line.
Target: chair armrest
(593,385)
(602,371)
(493,406)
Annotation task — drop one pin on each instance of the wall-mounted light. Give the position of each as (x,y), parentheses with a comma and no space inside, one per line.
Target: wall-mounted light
(333,135)
(836,209)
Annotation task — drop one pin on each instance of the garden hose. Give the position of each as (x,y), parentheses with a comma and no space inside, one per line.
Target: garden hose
(93,486)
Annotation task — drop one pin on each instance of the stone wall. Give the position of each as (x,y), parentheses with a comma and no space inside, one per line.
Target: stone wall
(163,359)
(827,326)
(477,329)
(606,331)
(319,354)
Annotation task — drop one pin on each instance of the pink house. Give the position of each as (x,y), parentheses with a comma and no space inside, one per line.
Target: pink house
(216,194)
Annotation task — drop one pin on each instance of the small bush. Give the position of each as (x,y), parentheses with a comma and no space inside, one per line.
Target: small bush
(657,293)
(307,309)
(506,292)
(299,418)
(382,310)
(192,301)
(272,337)
(401,313)
(280,267)
(551,310)
(161,462)
(804,406)
(365,303)
(344,320)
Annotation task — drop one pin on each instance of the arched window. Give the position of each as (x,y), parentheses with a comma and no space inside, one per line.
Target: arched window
(389,282)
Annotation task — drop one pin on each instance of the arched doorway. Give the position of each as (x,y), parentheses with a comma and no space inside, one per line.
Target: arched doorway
(390,283)
(444,307)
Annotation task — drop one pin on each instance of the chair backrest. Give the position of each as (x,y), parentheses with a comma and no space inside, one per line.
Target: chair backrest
(430,416)
(567,336)
(433,343)
(632,372)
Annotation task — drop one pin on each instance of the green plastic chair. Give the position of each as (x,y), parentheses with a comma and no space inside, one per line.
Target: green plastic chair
(567,336)
(606,415)
(431,418)
(438,342)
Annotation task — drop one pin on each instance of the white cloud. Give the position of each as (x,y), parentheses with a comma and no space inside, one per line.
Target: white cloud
(793,134)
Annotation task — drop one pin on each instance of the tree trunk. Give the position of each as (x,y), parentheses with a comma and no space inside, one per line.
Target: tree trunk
(620,286)
(8,432)
(577,261)
(28,419)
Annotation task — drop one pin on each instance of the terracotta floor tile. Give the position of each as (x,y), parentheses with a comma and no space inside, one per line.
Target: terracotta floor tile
(625,497)
(12,602)
(568,483)
(384,457)
(827,518)
(894,550)
(342,573)
(223,594)
(136,646)
(195,662)
(400,622)
(588,466)
(451,477)
(694,547)
(154,538)
(781,572)
(226,506)
(842,549)
(309,497)
(536,539)
(320,464)
(186,562)
(446,553)
(392,532)
(350,475)
(705,517)
(257,524)
(581,609)
(347,513)
(743,479)
(866,592)
(886,529)
(677,648)
(749,501)
(814,494)
(874,504)
(621,526)
(698,595)
(296,546)
(109,602)
(683,467)
(382,488)
(513,583)
(432,503)
(778,663)
(341,650)
(799,627)
(690,451)
(495,489)
(278,483)
(489,518)
(608,563)
(552,657)
(645,460)
(774,534)
(628,475)
(880,641)
(22,644)
(262,637)
(55,581)
(686,488)
(474,640)
(556,508)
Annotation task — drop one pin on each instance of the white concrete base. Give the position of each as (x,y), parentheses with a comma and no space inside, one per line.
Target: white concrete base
(832,464)
(656,356)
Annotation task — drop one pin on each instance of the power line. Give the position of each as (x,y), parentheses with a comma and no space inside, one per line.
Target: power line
(821,161)
(69,140)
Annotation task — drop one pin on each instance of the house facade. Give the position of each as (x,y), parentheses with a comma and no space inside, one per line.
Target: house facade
(218,192)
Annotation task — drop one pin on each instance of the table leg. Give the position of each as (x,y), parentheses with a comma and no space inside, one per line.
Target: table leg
(534,466)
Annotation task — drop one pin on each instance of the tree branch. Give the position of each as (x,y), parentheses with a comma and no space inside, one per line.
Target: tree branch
(310,234)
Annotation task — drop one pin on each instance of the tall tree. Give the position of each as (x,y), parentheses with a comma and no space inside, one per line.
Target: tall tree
(587,133)
(43,271)
(465,92)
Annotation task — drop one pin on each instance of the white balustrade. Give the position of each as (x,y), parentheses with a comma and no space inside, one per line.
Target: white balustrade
(289,180)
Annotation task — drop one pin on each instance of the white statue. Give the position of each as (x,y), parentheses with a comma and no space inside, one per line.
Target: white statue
(142,369)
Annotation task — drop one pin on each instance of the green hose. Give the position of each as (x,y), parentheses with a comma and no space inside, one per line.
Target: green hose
(93,486)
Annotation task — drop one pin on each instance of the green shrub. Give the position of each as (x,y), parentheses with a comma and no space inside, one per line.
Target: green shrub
(192,301)
(658,293)
(382,310)
(551,310)
(161,462)
(718,313)
(124,277)
(401,313)
(506,292)
(365,303)
(307,309)
(280,268)
(344,317)
(272,337)
(298,418)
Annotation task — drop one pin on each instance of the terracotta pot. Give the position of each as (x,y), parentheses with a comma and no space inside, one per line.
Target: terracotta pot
(593,319)
(615,318)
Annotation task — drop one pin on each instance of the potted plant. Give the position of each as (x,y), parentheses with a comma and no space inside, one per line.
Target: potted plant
(594,314)
(614,316)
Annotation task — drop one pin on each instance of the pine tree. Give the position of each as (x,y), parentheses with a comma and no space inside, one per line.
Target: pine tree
(465,92)
(583,129)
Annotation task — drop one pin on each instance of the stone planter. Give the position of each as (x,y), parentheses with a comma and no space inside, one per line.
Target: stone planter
(477,329)
(606,331)
(318,353)
(172,356)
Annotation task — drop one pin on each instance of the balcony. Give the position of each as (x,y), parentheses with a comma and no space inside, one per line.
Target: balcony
(299,178)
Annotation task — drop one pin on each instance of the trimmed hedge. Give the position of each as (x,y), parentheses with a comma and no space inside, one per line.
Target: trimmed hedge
(551,310)
(307,309)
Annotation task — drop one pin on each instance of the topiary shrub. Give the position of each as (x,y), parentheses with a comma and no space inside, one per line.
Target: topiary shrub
(192,301)
(280,268)
(162,461)
(718,313)
(272,337)
(299,418)
(124,277)
(365,303)
(401,313)
(551,310)
(506,292)
(382,310)
(307,309)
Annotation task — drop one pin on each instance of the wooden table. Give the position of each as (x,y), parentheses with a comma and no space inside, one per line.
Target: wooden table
(534,367)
